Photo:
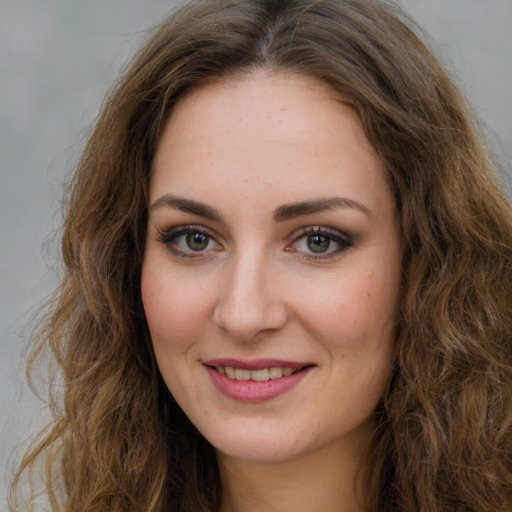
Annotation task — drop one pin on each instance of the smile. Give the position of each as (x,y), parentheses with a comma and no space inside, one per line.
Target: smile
(261,375)
(256,381)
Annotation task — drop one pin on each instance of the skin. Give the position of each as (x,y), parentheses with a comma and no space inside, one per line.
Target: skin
(245,146)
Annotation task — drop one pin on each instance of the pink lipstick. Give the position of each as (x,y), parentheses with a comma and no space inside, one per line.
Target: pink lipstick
(256,380)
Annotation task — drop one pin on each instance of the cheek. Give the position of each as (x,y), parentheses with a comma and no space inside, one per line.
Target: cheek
(352,311)
(174,313)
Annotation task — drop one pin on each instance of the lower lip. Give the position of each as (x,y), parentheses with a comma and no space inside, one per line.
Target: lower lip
(252,391)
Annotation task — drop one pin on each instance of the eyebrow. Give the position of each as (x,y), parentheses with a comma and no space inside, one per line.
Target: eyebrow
(282,213)
(293,210)
(187,205)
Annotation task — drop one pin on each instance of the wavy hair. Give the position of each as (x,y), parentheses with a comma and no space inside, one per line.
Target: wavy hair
(442,439)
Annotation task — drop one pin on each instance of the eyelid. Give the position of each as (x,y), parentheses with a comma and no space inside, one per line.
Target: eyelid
(343,240)
(166,236)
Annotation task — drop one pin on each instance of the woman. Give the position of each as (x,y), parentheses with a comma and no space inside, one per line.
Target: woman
(288,277)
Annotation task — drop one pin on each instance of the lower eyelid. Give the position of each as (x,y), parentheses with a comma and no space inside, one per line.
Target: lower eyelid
(342,246)
(168,238)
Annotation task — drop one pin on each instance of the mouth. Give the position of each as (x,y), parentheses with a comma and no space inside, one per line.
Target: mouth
(256,381)
(258,375)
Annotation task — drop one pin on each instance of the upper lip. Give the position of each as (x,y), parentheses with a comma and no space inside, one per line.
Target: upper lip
(255,364)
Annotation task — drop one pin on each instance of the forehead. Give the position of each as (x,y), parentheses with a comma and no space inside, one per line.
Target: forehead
(250,100)
(283,132)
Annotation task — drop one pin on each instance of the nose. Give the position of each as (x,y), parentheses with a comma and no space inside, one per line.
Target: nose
(249,302)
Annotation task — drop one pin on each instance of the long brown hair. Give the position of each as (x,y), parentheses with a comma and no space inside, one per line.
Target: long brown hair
(443,437)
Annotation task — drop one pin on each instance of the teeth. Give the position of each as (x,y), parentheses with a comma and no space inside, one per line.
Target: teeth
(242,374)
(260,375)
(276,373)
(256,375)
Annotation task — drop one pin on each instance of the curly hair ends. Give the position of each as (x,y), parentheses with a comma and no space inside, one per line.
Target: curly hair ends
(443,438)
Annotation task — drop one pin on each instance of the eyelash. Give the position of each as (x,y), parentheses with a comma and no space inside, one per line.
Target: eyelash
(343,241)
(168,238)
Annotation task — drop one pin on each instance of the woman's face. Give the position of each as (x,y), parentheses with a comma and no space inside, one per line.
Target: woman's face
(271,274)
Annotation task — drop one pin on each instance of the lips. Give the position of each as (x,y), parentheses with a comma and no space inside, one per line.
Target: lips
(274,372)
(255,381)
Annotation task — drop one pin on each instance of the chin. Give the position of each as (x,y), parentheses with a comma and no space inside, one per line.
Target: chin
(260,441)
(257,452)
(256,445)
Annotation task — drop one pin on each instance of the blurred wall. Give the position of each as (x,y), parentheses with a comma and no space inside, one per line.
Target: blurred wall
(57,59)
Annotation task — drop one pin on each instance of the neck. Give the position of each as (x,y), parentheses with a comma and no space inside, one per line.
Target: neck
(323,480)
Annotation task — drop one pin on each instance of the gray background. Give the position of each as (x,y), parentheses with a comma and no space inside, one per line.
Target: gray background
(58,58)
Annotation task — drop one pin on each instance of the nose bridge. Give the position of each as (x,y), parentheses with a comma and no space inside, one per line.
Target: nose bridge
(248,303)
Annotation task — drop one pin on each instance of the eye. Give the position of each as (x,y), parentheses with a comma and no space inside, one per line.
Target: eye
(192,241)
(189,241)
(317,243)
